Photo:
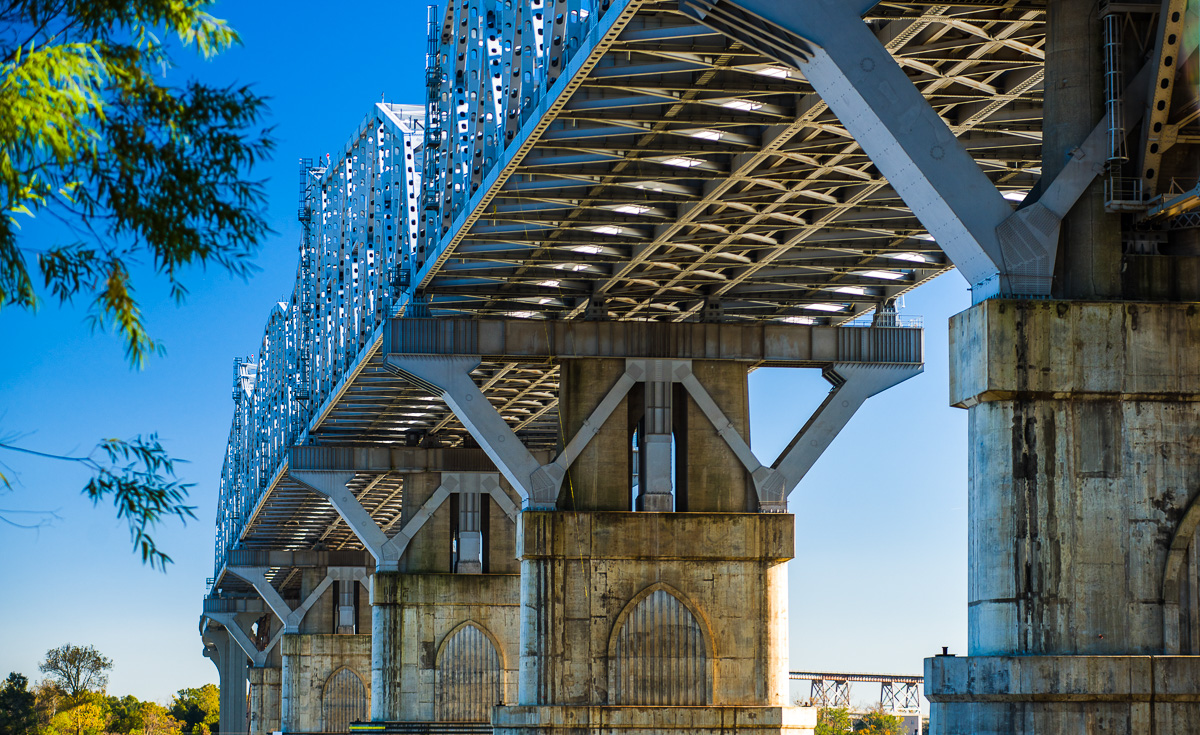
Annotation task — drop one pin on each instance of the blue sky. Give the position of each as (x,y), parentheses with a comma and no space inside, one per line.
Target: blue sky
(879,581)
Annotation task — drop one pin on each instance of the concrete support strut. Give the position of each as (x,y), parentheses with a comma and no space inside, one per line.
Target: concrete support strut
(292,617)
(853,385)
(234,625)
(450,377)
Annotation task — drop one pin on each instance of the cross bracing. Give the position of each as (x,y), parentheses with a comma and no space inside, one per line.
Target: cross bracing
(633,165)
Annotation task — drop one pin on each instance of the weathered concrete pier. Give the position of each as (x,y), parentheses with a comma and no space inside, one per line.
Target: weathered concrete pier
(492,465)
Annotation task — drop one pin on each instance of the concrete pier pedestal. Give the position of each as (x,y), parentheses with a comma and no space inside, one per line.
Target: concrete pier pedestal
(445,645)
(653,622)
(265,693)
(1084,453)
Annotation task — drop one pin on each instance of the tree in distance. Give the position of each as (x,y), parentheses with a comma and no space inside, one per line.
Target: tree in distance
(136,172)
(18,706)
(77,670)
(89,717)
(833,721)
(198,709)
(71,701)
(126,714)
(157,720)
(840,721)
(878,722)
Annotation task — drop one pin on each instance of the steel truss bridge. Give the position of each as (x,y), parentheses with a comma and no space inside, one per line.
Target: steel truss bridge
(897,692)
(649,161)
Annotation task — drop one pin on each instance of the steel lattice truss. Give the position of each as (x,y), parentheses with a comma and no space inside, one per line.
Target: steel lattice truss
(626,164)
(684,170)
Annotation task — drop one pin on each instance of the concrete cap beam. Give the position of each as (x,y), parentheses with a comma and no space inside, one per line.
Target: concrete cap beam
(297,559)
(404,460)
(771,344)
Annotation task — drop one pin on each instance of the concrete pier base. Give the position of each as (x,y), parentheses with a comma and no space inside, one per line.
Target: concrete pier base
(325,681)
(232,666)
(445,645)
(1115,695)
(653,622)
(552,720)
(265,693)
(1084,431)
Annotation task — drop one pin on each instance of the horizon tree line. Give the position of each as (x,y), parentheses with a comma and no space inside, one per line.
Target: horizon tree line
(72,699)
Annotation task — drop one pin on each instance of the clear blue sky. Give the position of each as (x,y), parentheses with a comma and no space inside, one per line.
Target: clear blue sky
(879,581)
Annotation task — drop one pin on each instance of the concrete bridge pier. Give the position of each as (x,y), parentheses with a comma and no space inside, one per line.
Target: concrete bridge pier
(308,659)
(231,661)
(230,622)
(1084,422)
(444,626)
(658,606)
(324,679)
(1084,450)
(651,600)
(265,699)
(444,594)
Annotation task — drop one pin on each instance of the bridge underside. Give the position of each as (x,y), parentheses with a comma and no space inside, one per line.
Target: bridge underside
(684,169)
(500,433)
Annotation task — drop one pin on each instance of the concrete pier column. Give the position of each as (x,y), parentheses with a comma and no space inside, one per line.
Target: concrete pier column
(716,482)
(323,681)
(1089,256)
(598,479)
(1084,436)
(265,696)
(655,489)
(232,666)
(387,630)
(441,633)
(291,690)
(429,549)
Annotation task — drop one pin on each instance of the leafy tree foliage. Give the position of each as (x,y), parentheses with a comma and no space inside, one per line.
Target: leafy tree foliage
(139,477)
(157,720)
(91,717)
(840,721)
(77,670)
(137,172)
(131,716)
(18,713)
(49,700)
(197,709)
(91,135)
(126,714)
(878,722)
(833,721)
(48,710)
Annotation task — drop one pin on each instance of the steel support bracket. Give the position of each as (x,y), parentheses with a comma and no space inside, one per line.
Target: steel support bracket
(387,551)
(449,376)
(234,629)
(768,483)
(292,617)
(333,486)
(853,385)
